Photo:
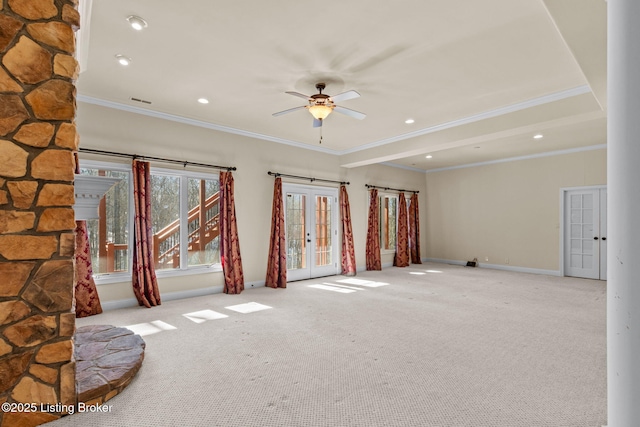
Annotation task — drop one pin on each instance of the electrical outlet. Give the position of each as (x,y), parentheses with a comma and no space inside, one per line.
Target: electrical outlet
(506,261)
(486,259)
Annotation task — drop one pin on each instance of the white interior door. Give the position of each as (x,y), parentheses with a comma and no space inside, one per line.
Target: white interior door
(585,233)
(311,231)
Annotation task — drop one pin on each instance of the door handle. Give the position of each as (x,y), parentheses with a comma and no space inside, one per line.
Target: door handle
(604,238)
(308,240)
(595,238)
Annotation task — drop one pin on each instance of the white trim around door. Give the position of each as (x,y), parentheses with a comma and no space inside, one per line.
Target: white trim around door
(311,231)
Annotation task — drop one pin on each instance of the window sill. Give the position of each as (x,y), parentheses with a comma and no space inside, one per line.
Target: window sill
(107,279)
(201,269)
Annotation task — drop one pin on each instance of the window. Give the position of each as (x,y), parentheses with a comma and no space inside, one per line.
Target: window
(165,219)
(185,212)
(109,235)
(388,221)
(204,226)
(185,221)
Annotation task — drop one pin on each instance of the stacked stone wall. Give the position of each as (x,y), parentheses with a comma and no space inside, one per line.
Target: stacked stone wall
(37,140)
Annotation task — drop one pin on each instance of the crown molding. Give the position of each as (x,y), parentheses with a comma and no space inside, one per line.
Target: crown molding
(557,96)
(199,123)
(527,157)
(580,90)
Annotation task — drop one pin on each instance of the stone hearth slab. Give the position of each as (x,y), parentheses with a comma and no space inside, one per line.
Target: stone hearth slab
(107,359)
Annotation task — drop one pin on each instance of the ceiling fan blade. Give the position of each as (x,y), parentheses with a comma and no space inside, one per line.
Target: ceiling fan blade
(290,110)
(352,113)
(350,94)
(299,95)
(317,123)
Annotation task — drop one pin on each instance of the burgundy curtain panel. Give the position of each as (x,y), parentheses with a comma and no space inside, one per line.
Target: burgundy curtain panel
(229,243)
(402,240)
(414,230)
(277,264)
(85,294)
(348,250)
(373,233)
(145,283)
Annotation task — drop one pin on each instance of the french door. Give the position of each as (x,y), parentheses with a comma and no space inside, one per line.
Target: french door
(311,222)
(585,233)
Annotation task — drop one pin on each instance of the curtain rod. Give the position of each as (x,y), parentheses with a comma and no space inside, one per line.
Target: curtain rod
(157,159)
(392,189)
(277,174)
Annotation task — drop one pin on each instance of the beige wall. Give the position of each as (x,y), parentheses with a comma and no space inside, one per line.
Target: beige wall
(113,130)
(508,212)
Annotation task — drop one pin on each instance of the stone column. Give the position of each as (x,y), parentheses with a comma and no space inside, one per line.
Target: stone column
(37,141)
(623,178)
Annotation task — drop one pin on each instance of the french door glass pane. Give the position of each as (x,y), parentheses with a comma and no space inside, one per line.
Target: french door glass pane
(296,233)
(323,231)
(165,215)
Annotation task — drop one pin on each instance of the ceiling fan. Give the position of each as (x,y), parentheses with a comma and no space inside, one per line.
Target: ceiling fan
(321,105)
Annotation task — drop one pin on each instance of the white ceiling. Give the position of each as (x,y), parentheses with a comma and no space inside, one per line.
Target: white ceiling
(487,74)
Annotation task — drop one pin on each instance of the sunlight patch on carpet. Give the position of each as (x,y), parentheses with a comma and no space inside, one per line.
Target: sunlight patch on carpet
(150,328)
(344,286)
(204,315)
(361,282)
(332,288)
(249,307)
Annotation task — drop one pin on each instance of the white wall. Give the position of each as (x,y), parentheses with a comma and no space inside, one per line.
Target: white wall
(113,130)
(506,212)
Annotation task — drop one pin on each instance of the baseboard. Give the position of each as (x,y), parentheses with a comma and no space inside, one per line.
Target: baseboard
(171,296)
(258,284)
(513,268)
(363,269)
(118,304)
(444,261)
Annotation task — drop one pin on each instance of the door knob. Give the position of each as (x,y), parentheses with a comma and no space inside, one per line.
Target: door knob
(308,240)
(595,238)
(604,238)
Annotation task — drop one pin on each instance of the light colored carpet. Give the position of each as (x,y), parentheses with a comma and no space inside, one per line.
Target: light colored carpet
(458,347)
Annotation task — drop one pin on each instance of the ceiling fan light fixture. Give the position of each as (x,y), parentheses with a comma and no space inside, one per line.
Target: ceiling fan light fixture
(137,23)
(319,111)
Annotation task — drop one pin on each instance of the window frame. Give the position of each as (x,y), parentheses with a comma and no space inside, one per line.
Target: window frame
(184,176)
(184,268)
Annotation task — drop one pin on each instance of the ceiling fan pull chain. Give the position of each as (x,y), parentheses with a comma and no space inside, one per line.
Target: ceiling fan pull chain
(320,142)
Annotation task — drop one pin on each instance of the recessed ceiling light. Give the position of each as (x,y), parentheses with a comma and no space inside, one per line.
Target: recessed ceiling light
(137,23)
(409,121)
(538,136)
(123,60)
(203,100)
(429,156)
